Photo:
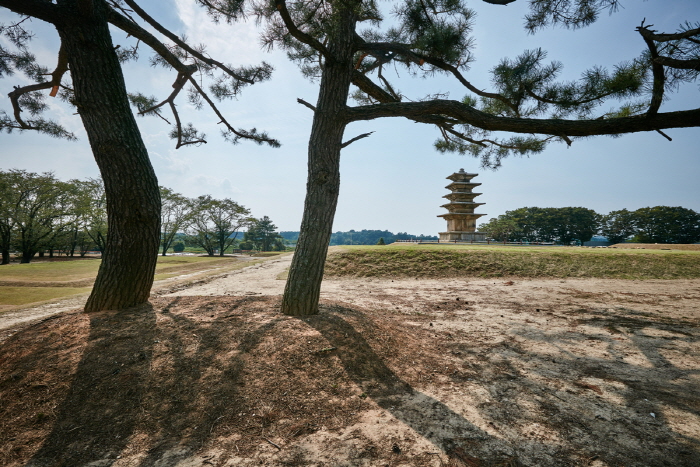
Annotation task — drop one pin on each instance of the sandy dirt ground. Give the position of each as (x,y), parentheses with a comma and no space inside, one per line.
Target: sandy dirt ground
(453,372)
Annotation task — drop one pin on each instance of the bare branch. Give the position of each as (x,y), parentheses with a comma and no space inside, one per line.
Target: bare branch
(465,114)
(349,142)
(652,36)
(149,39)
(177,85)
(678,64)
(499,2)
(179,129)
(664,135)
(657,69)
(306,104)
(41,9)
(240,134)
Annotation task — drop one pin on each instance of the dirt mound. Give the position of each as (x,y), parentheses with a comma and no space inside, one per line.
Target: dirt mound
(224,381)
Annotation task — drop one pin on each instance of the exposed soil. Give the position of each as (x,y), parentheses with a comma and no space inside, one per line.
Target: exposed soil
(453,372)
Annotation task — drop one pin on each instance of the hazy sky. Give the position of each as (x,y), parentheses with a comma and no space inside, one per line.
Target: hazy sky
(394,179)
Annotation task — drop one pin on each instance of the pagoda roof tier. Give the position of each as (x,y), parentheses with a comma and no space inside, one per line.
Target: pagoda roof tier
(457,215)
(461,197)
(461,176)
(454,186)
(462,205)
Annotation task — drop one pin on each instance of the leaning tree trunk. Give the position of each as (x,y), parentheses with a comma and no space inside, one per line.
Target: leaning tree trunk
(128,263)
(303,286)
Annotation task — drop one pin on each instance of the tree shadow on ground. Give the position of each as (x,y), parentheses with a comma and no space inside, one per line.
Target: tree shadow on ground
(551,395)
(161,384)
(116,393)
(97,417)
(447,430)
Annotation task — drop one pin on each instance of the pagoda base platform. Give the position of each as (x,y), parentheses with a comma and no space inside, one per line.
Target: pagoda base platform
(462,236)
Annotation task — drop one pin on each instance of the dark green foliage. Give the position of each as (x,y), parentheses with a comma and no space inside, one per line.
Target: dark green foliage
(263,236)
(381,241)
(215,223)
(618,226)
(665,224)
(503,229)
(178,247)
(561,225)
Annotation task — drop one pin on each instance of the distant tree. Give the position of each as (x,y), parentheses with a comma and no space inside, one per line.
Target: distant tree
(263,234)
(381,241)
(563,225)
(574,224)
(82,200)
(96,219)
(215,223)
(39,210)
(6,222)
(618,226)
(178,247)
(664,224)
(502,228)
(175,216)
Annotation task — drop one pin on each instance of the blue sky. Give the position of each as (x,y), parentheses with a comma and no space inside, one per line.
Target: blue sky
(394,179)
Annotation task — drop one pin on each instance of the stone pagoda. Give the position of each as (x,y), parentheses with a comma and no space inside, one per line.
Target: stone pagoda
(461,220)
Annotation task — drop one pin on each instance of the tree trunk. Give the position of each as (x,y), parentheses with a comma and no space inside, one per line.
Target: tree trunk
(133,198)
(301,293)
(5,256)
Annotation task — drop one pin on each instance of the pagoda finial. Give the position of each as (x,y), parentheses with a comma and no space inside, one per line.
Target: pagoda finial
(461,171)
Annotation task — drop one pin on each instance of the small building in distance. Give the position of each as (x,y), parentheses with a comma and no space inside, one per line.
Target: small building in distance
(461,219)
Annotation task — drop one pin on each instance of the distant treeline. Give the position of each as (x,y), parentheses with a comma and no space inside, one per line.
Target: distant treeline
(363,237)
(658,224)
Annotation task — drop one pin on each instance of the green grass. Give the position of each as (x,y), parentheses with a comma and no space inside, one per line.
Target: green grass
(22,284)
(17,296)
(434,261)
(50,271)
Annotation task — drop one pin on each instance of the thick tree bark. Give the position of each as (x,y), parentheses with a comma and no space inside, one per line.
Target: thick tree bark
(133,198)
(303,287)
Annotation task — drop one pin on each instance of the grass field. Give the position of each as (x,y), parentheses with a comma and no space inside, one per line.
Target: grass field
(24,284)
(434,261)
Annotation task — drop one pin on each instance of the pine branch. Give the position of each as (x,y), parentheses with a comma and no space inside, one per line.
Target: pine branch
(465,114)
(657,69)
(53,83)
(297,33)
(240,134)
(378,48)
(180,43)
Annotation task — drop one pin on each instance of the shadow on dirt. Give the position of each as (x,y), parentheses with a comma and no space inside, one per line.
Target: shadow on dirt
(447,430)
(157,385)
(98,415)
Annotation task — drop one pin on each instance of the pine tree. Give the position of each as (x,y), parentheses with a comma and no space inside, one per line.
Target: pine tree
(98,91)
(343,44)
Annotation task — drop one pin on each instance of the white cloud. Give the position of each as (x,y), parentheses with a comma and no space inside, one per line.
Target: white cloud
(238,43)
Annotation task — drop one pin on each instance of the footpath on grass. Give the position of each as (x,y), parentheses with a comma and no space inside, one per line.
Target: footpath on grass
(257,272)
